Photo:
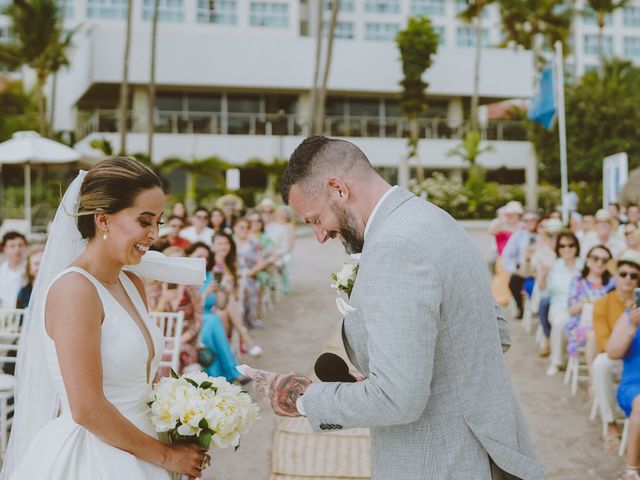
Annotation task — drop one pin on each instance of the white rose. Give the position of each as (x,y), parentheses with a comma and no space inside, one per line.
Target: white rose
(197,376)
(346,273)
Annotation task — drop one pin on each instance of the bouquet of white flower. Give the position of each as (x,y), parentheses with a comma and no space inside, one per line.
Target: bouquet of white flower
(199,409)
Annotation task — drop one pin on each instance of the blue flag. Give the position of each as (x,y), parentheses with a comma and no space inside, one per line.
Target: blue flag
(543,109)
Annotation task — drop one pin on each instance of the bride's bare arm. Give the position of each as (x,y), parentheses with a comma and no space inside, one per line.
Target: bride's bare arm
(74,316)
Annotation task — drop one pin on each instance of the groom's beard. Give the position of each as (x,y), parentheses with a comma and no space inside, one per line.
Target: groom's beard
(351,238)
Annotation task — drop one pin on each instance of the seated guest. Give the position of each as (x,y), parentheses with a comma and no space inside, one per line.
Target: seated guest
(226,263)
(604,234)
(34,257)
(213,335)
(631,235)
(180,211)
(594,282)
(542,254)
(12,277)
(199,230)
(184,298)
(502,227)
(555,285)
(624,343)
(606,312)
(219,222)
(251,262)
(172,237)
(513,256)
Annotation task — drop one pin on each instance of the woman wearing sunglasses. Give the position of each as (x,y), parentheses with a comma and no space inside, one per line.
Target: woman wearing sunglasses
(555,285)
(594,283)
(624,344)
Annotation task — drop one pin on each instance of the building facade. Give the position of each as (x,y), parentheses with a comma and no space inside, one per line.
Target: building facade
(233,77)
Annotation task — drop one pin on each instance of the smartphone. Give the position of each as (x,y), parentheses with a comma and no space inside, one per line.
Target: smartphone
(637,293)
(217,276)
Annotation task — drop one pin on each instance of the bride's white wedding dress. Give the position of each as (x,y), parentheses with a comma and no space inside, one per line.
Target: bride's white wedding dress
(64,450)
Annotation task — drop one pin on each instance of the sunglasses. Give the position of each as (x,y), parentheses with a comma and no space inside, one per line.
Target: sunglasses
(631,275)
(567,245)
(602,260)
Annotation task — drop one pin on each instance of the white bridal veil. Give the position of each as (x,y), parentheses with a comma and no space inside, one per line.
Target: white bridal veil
(36,402)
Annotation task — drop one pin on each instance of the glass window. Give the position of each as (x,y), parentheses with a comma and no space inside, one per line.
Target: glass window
(632,47)
(466,37)
(66,7)
(631,16)
(344,30)
(461,6)
(591,45)
(5,34)
(201,102)
(590,17)
(223,12)
(269,14)
(382,6)
(171,102)
(364,107)
(168,11)
(427,7)
(439,29)
(243,103)
(345,5)
(107,9)
(381,32)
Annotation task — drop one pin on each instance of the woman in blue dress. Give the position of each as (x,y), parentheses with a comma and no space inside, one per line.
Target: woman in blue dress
(624,343)
(212,334)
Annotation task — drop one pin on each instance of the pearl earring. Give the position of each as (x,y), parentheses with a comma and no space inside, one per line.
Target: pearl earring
(105,236)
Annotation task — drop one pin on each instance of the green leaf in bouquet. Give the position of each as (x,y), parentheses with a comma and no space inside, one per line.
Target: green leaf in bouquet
(150,404)
(205,385)
(174,374)
(334,277)
(191,382)
(204,439)
(204,424)
(236,448)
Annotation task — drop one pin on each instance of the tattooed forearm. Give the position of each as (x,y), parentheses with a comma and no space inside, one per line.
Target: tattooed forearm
(285,391)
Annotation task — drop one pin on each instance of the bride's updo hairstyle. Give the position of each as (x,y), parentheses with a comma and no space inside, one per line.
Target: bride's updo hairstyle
(110,186)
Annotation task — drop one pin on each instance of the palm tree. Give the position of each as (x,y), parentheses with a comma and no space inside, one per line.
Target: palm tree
(212,168)
(39,43)
(473,16)
(322,69)
(418,43)
(152,81)
(124,85)
(602,8)
(529,23)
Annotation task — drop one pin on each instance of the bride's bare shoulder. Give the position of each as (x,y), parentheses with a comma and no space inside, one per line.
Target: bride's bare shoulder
(73,292)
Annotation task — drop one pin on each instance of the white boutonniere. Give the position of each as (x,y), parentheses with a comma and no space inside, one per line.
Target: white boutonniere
(343,281)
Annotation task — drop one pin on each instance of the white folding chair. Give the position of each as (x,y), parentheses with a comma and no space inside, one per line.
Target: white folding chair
(623,440)
(577,368)
(171,325)
(11,322)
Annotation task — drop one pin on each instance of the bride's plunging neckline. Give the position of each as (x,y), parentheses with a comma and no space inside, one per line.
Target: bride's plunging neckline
(140,323)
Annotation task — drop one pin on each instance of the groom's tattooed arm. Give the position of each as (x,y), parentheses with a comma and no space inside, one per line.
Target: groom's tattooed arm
(281,391)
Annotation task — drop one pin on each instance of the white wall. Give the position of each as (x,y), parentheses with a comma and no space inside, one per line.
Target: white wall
(238,149)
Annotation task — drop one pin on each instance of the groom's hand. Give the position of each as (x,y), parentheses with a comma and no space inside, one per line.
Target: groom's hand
(280,390)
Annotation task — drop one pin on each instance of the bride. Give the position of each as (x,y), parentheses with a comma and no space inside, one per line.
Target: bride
(90,350)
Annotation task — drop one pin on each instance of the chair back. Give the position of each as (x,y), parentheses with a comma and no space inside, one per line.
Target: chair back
(171,325)
(11,322)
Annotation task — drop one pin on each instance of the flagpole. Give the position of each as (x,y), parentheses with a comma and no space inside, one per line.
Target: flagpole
(562,130)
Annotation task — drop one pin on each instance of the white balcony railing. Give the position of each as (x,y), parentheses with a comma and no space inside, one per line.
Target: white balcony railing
(286,124)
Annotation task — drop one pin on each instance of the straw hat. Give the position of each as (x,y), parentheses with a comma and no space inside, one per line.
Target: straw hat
(553,225)
(630,256)
(603,215)
(231,200)
(512,207)
(266,203)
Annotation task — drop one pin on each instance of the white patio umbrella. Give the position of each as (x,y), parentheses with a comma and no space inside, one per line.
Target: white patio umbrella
(30,148)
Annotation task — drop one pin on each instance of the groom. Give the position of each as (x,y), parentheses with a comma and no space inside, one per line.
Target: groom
(436,395)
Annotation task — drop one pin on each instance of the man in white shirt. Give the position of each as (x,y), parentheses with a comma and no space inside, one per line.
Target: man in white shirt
(604,234)
(12,270)
(199,230)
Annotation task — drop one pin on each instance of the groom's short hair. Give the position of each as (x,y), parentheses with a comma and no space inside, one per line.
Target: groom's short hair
(321,155)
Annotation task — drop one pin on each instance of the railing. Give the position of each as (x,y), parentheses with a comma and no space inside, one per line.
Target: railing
(287,124)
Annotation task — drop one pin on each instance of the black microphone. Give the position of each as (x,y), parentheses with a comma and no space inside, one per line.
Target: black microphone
(330,367)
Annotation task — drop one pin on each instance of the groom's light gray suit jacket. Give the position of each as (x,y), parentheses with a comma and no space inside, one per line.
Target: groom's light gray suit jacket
(437,396)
